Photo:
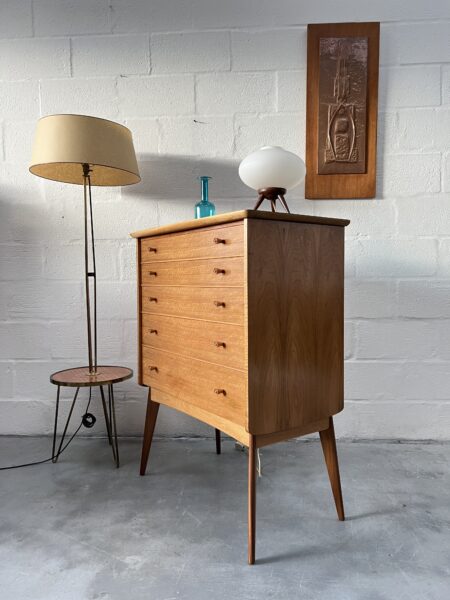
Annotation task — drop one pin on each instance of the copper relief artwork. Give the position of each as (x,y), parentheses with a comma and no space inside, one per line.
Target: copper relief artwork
(342,105)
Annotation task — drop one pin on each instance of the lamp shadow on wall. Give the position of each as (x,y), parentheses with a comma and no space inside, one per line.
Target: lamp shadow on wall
(172,177)
(19,222)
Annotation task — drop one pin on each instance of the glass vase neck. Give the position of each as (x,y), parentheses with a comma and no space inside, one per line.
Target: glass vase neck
(204,185)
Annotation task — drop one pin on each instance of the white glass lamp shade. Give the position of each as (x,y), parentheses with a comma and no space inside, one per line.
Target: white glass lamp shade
(63,143)
(272,167)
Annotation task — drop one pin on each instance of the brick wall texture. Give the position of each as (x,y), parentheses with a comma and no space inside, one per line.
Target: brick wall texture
(201,83)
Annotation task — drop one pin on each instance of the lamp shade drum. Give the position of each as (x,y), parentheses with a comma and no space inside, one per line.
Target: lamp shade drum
(64,142)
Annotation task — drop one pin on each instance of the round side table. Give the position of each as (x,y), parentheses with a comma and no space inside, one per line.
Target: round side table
(81,377)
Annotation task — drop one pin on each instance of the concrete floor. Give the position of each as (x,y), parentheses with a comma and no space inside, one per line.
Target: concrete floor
(82,530)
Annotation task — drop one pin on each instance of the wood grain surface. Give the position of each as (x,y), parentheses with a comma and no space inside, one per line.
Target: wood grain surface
(81,377)
(220,343)
(234,430)
(237,215)
(210,242)
(328,441)
(295,324)
(278,308)
(208,386)
(216,272)
(149,428)
(224,305)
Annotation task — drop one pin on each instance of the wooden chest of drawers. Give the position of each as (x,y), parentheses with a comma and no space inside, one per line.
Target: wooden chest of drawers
(241,326)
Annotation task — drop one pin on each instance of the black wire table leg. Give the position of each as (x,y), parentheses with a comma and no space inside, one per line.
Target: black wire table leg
(113,447)
(80,378)
(56,424)
(112,412)
(55,458)
(107,419)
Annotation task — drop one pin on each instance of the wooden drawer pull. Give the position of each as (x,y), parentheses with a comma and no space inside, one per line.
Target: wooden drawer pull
(153,369)
(150,249)
(153,331)
(220,391)
(153,273)
(217,303)
(220,344)
(219,241)
(152,299)
(219,271)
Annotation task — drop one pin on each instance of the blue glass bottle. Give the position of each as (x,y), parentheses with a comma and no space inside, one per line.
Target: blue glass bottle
(204,208)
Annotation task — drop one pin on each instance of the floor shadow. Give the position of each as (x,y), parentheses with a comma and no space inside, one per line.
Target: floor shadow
(375,513)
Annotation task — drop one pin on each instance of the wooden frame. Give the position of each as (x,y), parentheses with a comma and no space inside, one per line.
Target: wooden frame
(352,173)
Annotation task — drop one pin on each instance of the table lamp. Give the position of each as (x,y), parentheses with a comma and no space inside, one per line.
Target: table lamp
(272,171)
(87,151)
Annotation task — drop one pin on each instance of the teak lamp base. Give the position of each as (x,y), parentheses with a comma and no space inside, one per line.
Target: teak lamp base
(272,194)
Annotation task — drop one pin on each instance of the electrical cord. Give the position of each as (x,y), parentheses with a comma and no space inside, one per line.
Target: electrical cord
(87,420)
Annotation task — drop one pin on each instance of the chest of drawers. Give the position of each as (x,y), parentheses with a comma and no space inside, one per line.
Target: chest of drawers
(241,326)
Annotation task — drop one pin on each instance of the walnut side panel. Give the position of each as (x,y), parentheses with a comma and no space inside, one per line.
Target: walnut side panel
(295,324)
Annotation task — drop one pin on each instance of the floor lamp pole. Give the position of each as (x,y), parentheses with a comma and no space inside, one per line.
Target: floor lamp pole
(91,316)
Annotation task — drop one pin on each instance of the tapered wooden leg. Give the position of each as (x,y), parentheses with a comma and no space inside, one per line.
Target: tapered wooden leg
(150,421)
(251,499)
(284,203)
(329,451)
(218,442)
(259,202)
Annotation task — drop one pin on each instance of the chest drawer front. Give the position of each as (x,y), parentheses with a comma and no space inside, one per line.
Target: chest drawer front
(211,242)
(220,343)
(213,304)
(216,272)
(219,390)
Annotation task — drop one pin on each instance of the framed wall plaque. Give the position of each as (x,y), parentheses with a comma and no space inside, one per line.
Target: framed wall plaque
(341,110)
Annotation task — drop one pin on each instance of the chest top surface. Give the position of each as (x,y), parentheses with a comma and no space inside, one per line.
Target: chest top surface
(235,216)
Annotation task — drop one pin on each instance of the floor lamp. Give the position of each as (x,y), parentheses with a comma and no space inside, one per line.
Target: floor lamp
(87,151)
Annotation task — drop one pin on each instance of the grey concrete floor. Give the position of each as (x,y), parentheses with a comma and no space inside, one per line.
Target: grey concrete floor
(83,530)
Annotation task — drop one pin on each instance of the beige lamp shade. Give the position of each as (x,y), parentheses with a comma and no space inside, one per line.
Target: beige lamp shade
(63,143)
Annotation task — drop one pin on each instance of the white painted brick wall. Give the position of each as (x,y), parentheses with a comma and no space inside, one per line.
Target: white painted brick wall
(225,93)
(446,84)
(84,96)
(190,52)
(396,258)
(410,174)
(156,96)
(268,50)
(201,83)
(291,92)
(284,130)
(19,99)
(34,58)
(110,55)
(16,18)
(410,86)
(429,44)
(68,17)
(207,135)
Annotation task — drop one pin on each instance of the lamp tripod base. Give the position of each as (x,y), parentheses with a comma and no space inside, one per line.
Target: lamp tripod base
(272,194)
